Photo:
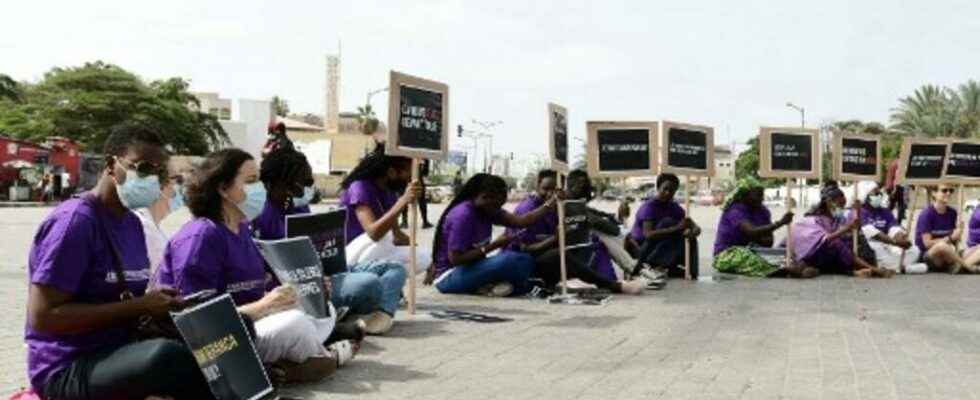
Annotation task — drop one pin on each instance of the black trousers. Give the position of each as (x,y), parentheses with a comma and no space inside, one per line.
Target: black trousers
(547,266)
(161,367)
(423,208)
(668,252)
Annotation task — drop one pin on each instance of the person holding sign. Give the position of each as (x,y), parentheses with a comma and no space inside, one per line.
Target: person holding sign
(660,228)
(215,251)
(79,325)
(463,264)
(373,209)
(885,236)
(971,255)
(819,239)
(370,288)
(745,223)
(937,232)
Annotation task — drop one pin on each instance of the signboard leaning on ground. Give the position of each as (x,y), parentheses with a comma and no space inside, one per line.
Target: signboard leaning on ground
(622,148)
(789,153)
(418,117)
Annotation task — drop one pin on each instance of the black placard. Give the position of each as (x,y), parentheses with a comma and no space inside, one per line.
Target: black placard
(326,230)
(623,149)
(791,152)
(560,133)
(925,161)
(223,349)
(964,160)
(577,232)
(859,156)
(420,119)
(296,263)
(687,149)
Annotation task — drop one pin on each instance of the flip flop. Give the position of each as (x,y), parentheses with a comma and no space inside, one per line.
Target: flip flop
(345,351)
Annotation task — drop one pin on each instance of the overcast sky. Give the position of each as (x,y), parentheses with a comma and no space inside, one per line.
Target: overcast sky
(728,64)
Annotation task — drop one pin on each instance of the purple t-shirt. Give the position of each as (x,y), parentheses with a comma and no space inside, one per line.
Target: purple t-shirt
(205,255)
(880,218)
(464,228)
(728,233)
(546,225)
(931,221)
(655,210)
(271,223)
(973,238)
(71,253)
(603,261)
(365,192)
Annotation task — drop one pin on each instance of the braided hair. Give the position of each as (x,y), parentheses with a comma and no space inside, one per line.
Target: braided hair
(282,170)
(375,165)
(477,184)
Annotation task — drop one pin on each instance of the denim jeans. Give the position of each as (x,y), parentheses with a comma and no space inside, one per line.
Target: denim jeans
(360,292)
(391,276)
(506,266)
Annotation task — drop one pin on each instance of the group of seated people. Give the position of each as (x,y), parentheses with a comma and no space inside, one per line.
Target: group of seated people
(80,319)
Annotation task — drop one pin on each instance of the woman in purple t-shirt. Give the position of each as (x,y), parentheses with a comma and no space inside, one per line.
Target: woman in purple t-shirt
(660,229)
(971,255)
(79,324)
(215,251)
(463,263)
(885,237)
(818,239)
(938,231)
(745,224)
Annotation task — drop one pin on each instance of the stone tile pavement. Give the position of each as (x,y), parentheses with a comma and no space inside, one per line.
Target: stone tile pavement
(912,337)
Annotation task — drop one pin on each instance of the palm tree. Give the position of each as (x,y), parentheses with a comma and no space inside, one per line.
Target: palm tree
(367,120)
(931,111)
(968,97)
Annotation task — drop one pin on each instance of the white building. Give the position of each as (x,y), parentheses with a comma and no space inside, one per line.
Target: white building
(213,104)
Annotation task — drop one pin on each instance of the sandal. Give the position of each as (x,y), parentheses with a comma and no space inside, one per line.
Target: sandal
(344,350)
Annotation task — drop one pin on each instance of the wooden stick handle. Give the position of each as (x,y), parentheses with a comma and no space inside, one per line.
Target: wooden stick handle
(561,240)
(687,214)
(857,214)
(908,228)
(412,241)
(789,228)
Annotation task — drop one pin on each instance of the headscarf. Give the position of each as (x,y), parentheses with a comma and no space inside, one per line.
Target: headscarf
(830,192)
(743,186)
(864,189)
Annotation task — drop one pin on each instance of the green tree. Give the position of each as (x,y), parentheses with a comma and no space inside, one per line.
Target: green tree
(8,88)
(280,106)
(747,164)
(931,111)
(367,120)
(84,103)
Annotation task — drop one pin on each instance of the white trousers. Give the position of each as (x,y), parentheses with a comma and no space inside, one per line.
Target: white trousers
(293,335)
(362,249)
(887,255)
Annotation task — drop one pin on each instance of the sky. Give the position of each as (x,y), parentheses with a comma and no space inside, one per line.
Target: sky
(732,65)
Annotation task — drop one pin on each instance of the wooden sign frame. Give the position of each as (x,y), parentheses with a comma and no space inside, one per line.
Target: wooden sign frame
(838,164)
(765,159)
(709,149)
(903,161)
(392,147)
(592,145)
(556,164)
(958,179)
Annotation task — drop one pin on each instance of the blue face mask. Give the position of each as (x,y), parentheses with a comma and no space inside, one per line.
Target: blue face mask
(839,213)
(307,197)
(138,192)
(177,201)
(254,200)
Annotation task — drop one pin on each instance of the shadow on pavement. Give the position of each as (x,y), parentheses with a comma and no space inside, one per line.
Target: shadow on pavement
(359,377)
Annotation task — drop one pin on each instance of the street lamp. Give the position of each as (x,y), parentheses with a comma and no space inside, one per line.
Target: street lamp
(487,125)
(374,92)
(820,138)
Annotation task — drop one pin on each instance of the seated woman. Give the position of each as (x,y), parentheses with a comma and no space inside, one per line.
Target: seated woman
(371,289)
(592,264)
(79,322)
(818,239)
(373,208)
(885,237)
(463,264)
(971,256)
(745,222)
(171,199)
(660,229)
(215,251)
(937,232)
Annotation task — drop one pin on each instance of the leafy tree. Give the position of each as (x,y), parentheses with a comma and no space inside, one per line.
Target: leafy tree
(367,120)
(938,112)
(280,106)
(747,164)
(8,88)
(84,103)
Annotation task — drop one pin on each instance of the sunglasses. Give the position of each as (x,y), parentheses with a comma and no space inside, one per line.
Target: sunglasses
(948,190)
(143,168)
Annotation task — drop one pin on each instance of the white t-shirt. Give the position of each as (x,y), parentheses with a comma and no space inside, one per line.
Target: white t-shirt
(156,240)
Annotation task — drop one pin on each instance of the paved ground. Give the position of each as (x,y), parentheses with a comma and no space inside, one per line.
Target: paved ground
(829,338)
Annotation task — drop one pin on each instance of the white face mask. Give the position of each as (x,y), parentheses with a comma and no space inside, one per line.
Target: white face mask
(879,201)
(308,193)
(839,213)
